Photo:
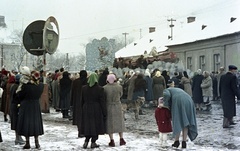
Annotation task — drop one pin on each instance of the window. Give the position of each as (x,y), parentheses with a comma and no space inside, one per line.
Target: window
(202,63)
(189,63)
(216,61)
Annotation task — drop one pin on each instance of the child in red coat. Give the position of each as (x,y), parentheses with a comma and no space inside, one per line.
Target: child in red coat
(163,119)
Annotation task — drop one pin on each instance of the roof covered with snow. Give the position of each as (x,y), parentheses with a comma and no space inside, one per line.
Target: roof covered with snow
(217,23)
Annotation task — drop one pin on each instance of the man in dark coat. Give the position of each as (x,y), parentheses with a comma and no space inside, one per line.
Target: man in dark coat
(228,91)
(76,96)
(197,90)
(93,108)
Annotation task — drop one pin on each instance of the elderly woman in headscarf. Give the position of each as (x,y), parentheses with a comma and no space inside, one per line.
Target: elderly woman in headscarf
(115,120)
(183,114)
(149,90)
(159,85)
(93,107)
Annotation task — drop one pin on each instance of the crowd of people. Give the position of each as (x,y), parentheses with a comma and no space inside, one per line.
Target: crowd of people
(93,101)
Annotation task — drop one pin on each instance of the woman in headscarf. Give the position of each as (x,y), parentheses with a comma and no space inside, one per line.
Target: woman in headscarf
(65,89)
(159,85)
(186,82)
(93,107)
(115,120)
(149,90)
(30,117)
(183,114)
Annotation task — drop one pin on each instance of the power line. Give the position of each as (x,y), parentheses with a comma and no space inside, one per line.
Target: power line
(200,11)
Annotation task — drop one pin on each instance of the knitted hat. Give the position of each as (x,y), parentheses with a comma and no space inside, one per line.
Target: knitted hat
(17,77)
(111,78)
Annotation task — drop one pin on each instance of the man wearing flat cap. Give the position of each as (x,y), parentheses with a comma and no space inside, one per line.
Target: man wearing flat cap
(228,90)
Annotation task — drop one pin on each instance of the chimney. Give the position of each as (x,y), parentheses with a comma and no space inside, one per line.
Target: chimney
(191,19)
(151,29)
(2,21)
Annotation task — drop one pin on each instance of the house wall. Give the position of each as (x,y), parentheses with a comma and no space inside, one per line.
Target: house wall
(226,47)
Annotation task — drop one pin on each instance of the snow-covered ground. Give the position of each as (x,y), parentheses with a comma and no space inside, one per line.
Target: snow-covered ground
(141,135)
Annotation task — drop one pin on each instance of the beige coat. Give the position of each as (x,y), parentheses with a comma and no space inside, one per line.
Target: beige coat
(115,120)
(187,85)
(206,86)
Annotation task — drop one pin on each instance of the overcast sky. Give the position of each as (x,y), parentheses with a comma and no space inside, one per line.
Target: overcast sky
(82,20)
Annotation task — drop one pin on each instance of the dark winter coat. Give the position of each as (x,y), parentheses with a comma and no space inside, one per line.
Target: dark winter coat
(55,94)
(140,86)
(103,78)
(163,119)
(182,111)
(65,89)
(149,90)
(228,91)
(30,117)
(131,82)
(93,107)
(158,86)
(196,88)
(76,98)
(14,109)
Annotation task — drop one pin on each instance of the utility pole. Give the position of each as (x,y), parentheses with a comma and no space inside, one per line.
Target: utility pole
(67,62)
(140,33)
(125,34)
(2,56)
(171,26)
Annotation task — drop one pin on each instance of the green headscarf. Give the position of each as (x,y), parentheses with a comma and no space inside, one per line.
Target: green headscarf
(92,79)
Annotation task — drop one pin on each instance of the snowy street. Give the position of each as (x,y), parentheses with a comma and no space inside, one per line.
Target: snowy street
(60,134)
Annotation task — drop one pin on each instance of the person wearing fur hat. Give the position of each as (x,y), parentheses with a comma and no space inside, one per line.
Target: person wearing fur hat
(228,91)
(93,107)
(114,121)
(30,117)
(163,120)
(14,109)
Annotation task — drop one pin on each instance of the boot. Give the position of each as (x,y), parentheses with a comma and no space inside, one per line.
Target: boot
(164,139)
(37,144)
(85,145)
(94,145)
(184,144)
(160,138)
(1,137)
(226,123)
(112,143)
(122,142)
(27,145)
(176,144)
(19,140)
